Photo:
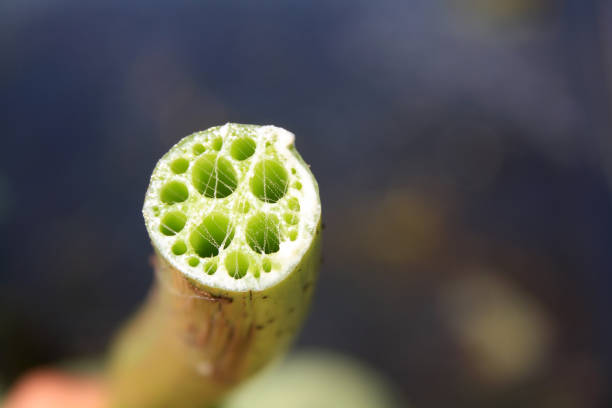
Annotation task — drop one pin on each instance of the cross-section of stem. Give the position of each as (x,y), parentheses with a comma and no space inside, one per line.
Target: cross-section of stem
(234,217)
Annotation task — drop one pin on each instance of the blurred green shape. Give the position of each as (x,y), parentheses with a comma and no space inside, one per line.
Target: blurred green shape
(317,379)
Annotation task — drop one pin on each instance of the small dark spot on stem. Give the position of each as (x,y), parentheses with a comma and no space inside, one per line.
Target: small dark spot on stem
(209,296)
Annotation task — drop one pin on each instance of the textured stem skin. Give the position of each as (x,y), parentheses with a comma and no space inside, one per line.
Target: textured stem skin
(189,345)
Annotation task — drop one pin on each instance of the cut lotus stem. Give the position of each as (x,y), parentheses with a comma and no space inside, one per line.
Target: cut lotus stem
(234,217)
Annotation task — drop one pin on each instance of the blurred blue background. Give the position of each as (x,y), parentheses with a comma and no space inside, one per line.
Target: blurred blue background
(463,150)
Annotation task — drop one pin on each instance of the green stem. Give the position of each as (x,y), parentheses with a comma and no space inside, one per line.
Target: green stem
(233,295)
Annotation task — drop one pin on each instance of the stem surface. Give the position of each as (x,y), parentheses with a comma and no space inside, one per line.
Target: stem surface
(234,217)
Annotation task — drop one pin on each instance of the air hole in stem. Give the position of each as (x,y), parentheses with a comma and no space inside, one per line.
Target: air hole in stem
(290,218)
(269,183)
(243,206)
(179,247)
(217,143)
(172,223)
(243,148)
(214,176)
(293,204)
(214,232)
(262,233)
(179,166)
(174,192)
(198,149)
(210,267)
(236,264)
